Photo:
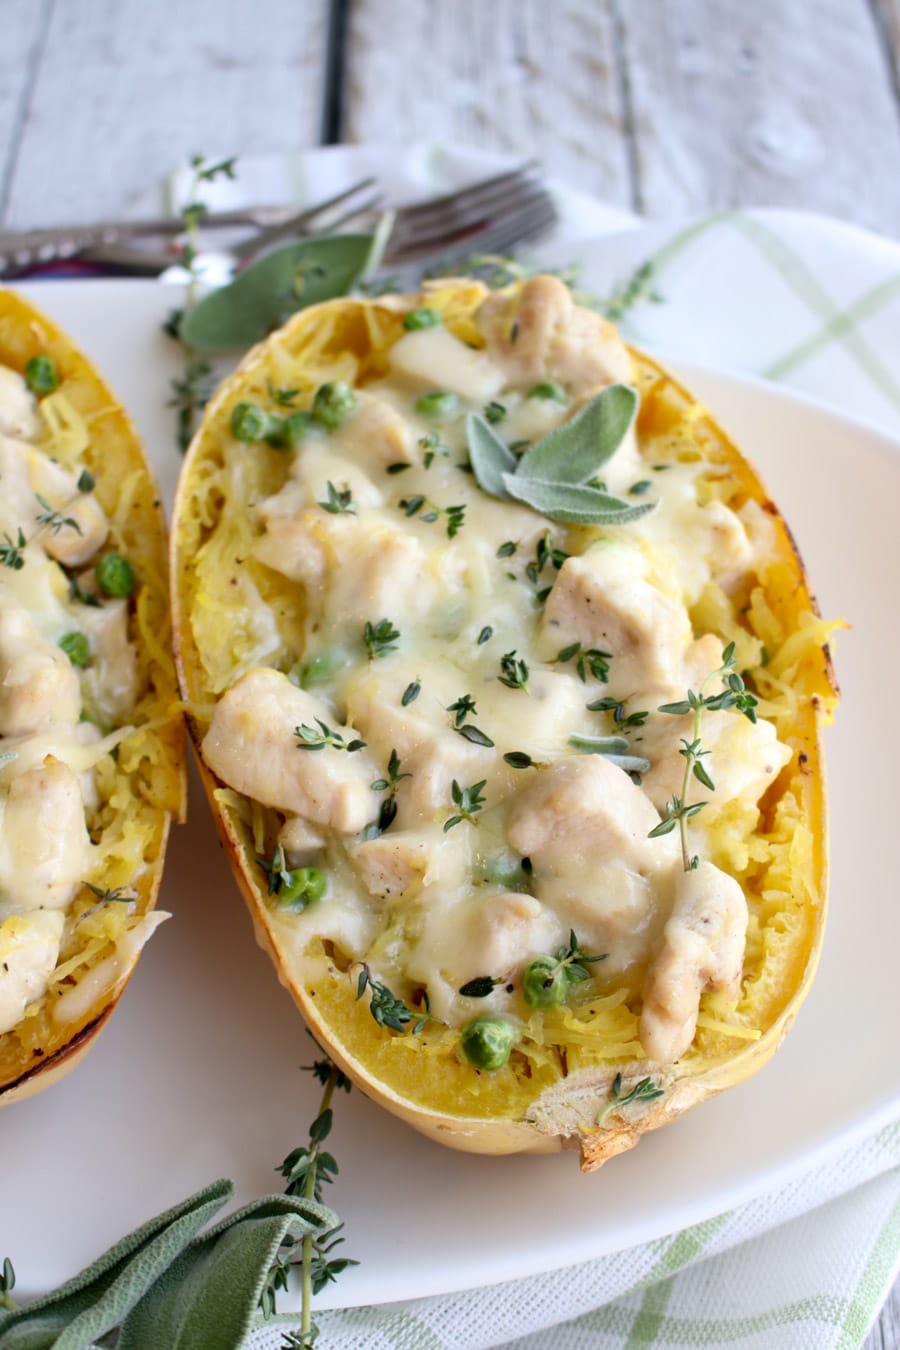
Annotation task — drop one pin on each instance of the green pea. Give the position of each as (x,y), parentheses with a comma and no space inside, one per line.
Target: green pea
(250,422)
(75,645)
(438,405)
(115,575)
(333,403)
(41,375)
(421,318)
(549,389)
(290,431)
(486,1042)
(304,886)
(544,983)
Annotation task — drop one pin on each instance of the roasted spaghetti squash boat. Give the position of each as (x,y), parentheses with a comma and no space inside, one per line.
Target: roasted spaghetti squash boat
(506,684)
(91,757)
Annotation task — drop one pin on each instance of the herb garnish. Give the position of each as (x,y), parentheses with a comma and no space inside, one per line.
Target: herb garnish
(464,705)
(389,784)
(617,708)
(513,672)
(410,693)
(339,502)
(643,1091)
(412,506)
(387,1009)
(734,695)
(380,638)
(484,636)
(554,475)
(432,446)
(613,748)
(468,801)
(308,738)
(51,519)
(11,551)
(546,981)
(591,659)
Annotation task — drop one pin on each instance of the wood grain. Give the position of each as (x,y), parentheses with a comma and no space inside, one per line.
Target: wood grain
(518,75)
(127,89)
(782,105)
(21,49)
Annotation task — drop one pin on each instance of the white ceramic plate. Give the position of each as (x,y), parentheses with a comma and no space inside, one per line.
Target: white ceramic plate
(198,1076)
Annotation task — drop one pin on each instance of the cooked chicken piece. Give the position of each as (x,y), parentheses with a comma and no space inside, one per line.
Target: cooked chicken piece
(373,699)
(38,684)
(391,863)
(743,757)
(307,484)
(480,935)
(730,551)
(19,416)
(433,358)
(300,840)
(547,336)
(111,679)
(375,435)
(603,600)
(299,547)
(44,846)
(545,717)
(585,808)
(29,947)
(252,746)
(26,475)
(614,911)
(426,796)
(703,948)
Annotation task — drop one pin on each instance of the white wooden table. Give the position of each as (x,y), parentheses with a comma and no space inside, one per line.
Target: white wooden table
(668,107)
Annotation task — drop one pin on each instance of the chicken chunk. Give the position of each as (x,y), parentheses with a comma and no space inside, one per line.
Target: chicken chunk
(480,935)
(743,757)
(300,840)
(616,912)
(584,807)
(19,416)
(426,796)
(375,435)
(111,680)
(45,850)
(547,336)
(433,358)
(86,528)
(703,948)
(29,948)
(389,864)
(38,684)
(252,746)
(603,600)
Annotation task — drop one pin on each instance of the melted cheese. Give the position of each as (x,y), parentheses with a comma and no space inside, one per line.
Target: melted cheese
(441,896)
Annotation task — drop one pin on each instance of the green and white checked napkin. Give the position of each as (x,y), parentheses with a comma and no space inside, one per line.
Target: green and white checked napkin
(813,304)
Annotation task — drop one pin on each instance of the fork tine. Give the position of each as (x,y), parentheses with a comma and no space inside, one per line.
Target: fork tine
(461,206)
(530,205)
(535,219)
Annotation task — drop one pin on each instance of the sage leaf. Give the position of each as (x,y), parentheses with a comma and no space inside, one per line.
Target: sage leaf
(96,1300)
(208,1297)
(573,503)
(269,291)
(613,748)
(490,457)
(574,451)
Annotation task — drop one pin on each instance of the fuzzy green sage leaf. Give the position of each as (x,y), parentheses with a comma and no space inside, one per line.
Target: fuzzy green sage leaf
(266,293)
(575,450)
(613,748)
(490,456)
(573,503)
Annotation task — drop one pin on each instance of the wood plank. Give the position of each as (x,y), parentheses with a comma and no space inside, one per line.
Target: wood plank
(517,75)
(885,1334)
(127,89)
(24,31)
(782,105)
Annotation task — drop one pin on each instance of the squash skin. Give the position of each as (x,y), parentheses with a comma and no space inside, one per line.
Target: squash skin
(117,461)
(563,1116)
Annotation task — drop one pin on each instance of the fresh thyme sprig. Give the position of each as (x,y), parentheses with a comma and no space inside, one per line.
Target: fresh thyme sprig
(387,1009)
(734,695)
(308,738)
(11,551)
(468,801)
(617,708)
(389,784)
(380,638)
(513,671)
(463,706)
(432,447)
(454,515)
(586,660)
(340,501)
(53,520)
(190,390)
(307,1169)
(643,1091)
(48,518)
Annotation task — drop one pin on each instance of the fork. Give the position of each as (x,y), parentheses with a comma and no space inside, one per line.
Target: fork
(493,214)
